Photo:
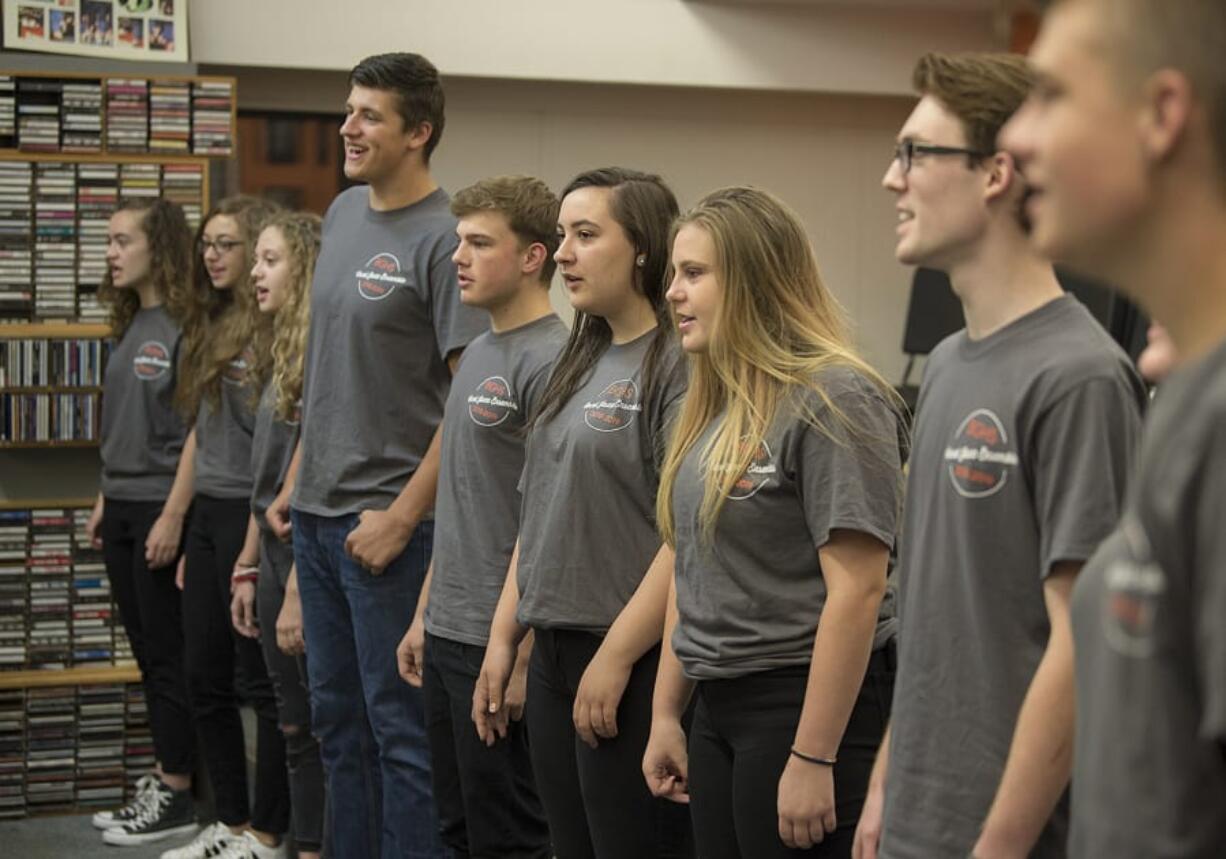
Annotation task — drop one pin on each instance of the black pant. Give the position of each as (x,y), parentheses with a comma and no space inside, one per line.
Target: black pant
(486,796)
(740,742)
(289,680)
(148,604)
(213,652)
(596,800)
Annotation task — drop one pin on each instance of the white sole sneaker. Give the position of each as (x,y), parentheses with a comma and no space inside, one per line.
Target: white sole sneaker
(122,838)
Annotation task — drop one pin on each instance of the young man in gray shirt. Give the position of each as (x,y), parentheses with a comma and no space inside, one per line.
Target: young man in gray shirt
(486,796)
(1125,144)
(1024,434)
(386,328)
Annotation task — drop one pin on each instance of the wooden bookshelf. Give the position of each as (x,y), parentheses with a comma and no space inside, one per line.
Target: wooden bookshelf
(36,445)
(34,503)
(54,330)
(85,675)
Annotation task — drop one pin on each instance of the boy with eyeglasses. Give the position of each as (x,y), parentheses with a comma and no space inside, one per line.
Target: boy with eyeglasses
(1024,433)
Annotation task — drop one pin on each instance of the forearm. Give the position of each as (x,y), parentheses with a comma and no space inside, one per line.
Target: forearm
(291,470)
(505,627)
(422,599)
(673,689)
(249,554)
(881,766)
(416,499)
(180,497)
(640,625)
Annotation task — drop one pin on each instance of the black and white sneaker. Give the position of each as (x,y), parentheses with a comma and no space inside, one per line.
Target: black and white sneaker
(146,786)
(166,813)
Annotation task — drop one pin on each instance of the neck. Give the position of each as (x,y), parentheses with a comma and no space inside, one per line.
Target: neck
(410,183)
(1001,282)
(148,295)
(529,303)
(632,321)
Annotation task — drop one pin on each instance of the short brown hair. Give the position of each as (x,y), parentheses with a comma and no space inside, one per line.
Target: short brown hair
(417,86)
(983,90)
(530,208)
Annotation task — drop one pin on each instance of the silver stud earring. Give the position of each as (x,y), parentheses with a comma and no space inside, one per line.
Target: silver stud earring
(641,261)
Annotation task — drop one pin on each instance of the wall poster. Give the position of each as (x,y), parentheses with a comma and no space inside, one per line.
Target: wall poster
(149,30)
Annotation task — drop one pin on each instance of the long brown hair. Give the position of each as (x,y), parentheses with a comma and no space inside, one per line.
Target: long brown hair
(170,250)
(643,206)
(219,324)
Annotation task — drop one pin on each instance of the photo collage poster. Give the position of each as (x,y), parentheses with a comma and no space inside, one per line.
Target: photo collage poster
(149,30)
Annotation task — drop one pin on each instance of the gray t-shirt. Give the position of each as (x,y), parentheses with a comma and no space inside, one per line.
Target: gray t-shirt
(223,436)
(496,388)
(1149,624)
(272,447)
(749,595)
(587,527)
(142,434)
(385,313)
(1022,447)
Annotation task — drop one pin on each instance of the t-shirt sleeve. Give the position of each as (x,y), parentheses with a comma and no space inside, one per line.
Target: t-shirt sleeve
(455,325)
(1084,448)
(849,472)
(1209,590)
(536,380)
(667,404)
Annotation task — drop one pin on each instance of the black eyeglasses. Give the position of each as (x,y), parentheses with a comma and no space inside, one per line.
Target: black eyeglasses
(906,151)
(221,246)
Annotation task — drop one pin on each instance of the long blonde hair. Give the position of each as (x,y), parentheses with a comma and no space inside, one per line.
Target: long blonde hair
(777,331)
(220,324)
(283,363)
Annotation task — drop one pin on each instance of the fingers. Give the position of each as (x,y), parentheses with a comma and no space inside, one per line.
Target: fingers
(803,834)
(515,711)
(582,718)
(607,725)
(180,572)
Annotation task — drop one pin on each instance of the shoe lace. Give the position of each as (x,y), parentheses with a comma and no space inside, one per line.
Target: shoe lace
(237,848)
(155,803)
(146,789)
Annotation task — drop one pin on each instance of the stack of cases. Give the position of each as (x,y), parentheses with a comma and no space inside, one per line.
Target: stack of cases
(170,120)
(93,616)
(8,112)
(55,240)
(97,197)
(127,115)
(82,116)
(139,180)
(212,105)
(137,739)
(51,746)
(50,567)
(100,746)
(184,184)
(14,588)
(38,114)
(16,239)
(12,753)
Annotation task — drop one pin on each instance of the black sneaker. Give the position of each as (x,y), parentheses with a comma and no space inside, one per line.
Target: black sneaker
(114,818)
(166,813)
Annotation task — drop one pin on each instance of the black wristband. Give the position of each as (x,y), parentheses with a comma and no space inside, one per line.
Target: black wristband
(826,762)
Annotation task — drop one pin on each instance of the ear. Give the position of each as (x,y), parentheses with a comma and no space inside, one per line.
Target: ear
(420,136)
(1166,106)
(534,258)
(1003,177)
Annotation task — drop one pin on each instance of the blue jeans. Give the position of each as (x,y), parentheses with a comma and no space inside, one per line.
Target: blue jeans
(370,723)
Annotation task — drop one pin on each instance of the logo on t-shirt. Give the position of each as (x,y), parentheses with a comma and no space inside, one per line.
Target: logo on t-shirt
(614,408)
(1135,586)
(492,402)
(152,361)
(760,470)
(380,277)
(236,371)
(980,456)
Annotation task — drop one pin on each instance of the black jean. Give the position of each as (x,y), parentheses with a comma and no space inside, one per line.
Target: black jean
(596,800)
(149,607)
(740,742)
(289,681)
(213,652)
(486,796)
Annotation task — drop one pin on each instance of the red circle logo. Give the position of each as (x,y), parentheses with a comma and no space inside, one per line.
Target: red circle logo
(492,402)
(980,456)
(152,361)
(380,277)
(614,408)
(757,474)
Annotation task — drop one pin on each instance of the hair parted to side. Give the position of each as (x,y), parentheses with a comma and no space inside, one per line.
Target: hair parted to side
(531,210)
(1189,36)
(644,207)
(778,329)
(284,362)
(170,260)
(219,324)
(982,89)
(418,89)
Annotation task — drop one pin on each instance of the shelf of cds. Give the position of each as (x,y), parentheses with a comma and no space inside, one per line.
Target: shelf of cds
(83,114)
(51,385)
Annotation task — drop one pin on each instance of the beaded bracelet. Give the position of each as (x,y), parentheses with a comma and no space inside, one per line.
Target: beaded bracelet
(813,759)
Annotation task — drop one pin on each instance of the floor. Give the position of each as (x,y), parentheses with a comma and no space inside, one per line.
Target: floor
(63,837)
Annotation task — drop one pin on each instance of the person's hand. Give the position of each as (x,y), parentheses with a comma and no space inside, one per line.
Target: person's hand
(180,572)
(806,803)
(868,829)
(162,544)
(378,539)
(242,610)
(666,763)
(517,687)
(600,691)
(290,640)
(411,652)
(277,516)
(91,525)
(490,713)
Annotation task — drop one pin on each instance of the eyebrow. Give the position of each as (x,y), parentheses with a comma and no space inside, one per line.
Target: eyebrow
(581,223)
(689,263)
(219,237)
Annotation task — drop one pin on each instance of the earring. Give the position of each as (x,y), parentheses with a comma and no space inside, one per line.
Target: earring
(641,261)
